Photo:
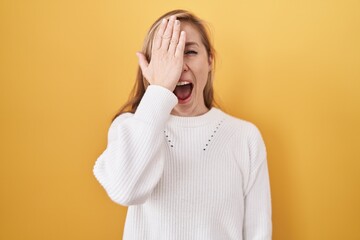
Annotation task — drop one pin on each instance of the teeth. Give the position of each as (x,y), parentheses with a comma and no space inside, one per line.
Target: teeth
(181,83)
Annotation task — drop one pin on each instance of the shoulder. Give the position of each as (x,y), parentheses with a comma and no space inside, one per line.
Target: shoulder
(244,134)
(121,118)
(247,139)
(114,125)
(240,127)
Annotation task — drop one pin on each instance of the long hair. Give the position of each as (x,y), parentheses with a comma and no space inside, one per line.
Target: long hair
(141,83)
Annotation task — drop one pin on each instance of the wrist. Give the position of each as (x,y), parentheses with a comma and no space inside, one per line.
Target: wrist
(169,87)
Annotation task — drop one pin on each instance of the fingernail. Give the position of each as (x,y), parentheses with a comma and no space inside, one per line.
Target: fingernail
(177,22)
(164,21)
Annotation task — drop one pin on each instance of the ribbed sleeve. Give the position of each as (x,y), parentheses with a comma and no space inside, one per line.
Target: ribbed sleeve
(257,202)
(133,161)
(257,217)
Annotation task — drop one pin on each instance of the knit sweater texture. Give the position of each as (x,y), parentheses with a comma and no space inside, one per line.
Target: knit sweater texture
(186,178)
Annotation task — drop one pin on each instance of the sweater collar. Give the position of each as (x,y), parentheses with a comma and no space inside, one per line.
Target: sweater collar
(210,116)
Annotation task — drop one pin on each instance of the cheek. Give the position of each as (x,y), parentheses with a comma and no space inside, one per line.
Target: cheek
(202,75)
(201,83)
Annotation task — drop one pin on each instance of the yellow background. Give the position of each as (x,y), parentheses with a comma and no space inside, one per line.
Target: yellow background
(291,67)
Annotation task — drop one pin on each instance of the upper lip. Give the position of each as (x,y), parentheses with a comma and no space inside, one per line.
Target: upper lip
(185,80)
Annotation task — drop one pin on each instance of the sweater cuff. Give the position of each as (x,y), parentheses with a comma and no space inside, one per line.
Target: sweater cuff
(156,105)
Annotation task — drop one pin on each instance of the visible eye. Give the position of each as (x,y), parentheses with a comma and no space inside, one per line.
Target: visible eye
(190,52)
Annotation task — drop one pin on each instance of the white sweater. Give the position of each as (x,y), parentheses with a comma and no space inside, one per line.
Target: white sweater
(203,177)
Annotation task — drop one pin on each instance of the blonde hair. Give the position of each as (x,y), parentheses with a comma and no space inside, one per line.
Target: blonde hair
(141,83)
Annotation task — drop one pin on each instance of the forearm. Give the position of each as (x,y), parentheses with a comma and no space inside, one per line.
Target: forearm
(132,163)
(257,221)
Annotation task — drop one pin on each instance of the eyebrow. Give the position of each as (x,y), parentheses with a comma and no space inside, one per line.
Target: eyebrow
(191,43)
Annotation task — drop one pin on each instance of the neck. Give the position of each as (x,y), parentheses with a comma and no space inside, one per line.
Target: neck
(184,111)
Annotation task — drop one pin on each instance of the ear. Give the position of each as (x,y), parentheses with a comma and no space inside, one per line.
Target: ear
(210,60)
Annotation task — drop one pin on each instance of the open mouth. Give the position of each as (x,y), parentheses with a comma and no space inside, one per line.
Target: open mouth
(183,90)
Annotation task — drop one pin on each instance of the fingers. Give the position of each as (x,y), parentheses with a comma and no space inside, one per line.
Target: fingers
(159,34)
(181,45)
(166,63)
(143,63)
(168,33)
(175,37)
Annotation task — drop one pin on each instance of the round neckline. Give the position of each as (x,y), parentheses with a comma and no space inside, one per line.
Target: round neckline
(195,121)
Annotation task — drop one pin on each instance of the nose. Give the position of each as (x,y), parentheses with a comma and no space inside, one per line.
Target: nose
(185,67)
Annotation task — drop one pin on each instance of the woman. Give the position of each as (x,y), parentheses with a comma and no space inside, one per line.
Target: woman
(186,169)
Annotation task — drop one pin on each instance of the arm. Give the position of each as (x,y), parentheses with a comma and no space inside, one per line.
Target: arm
(133,161)
(257,219)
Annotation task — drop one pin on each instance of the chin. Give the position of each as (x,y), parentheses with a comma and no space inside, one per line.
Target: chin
(190,108)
